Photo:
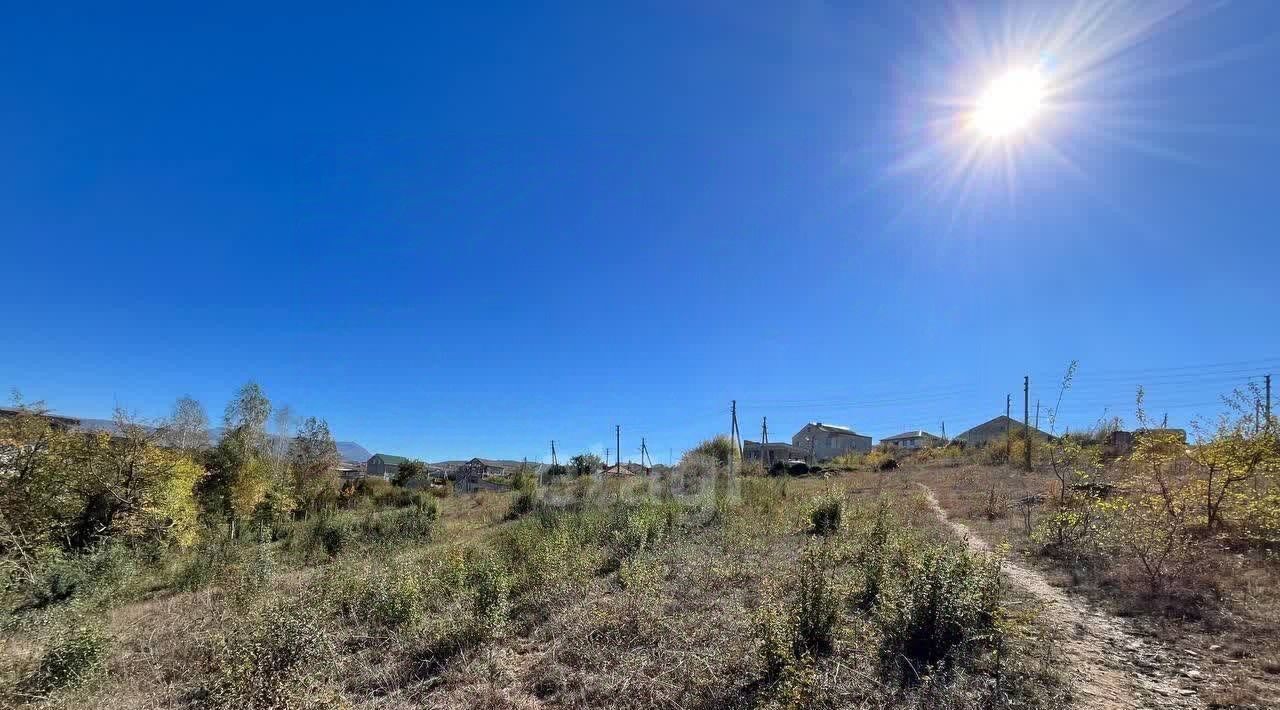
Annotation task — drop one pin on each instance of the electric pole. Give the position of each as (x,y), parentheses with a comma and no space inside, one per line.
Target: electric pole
(944,431)
(1008,405)
(764,441)
(554,461)
(617,433)
(644,451)
(734,436)
(1267,379)
(1026,419)
(1037,414)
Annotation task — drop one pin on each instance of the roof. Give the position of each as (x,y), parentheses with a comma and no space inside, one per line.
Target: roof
(388,458)
(834,428)
(771,444)
(489,462)
(996,427)
(918,434)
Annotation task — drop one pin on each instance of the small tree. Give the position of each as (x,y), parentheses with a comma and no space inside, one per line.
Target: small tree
(188,425)
(313,456)
(407,471)
(585,464)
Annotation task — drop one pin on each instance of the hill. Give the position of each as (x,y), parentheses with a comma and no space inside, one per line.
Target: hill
(347,450)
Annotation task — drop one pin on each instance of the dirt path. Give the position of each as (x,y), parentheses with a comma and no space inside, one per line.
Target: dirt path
(1113,666)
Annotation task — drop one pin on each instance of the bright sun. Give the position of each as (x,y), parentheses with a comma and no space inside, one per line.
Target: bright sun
(1009,103)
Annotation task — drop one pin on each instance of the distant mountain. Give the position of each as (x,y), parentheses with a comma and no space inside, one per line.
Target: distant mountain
(351,451)
(347,450)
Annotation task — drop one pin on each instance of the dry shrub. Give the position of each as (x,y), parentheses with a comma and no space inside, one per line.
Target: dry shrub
(279,658)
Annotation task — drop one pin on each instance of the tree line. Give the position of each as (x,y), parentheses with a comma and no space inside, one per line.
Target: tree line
(157,486)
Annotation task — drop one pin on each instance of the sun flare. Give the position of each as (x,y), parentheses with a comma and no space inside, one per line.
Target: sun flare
(1009,104)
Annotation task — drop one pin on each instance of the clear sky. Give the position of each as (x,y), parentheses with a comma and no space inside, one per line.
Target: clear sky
(467,231)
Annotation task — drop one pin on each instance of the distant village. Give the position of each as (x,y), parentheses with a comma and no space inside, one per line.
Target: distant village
(815,442)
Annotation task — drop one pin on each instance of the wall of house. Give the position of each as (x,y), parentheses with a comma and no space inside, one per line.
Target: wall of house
(828,445)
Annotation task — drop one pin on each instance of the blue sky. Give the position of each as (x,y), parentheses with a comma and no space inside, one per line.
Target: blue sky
(468,231)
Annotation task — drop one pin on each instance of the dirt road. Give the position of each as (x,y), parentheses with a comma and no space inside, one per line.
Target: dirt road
(1113,666)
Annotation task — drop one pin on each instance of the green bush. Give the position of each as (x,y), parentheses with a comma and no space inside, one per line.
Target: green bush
(801,625)
(74,656)
(489,583)
(334,534)
(721,449)
(825,516)
(947,600)
(386,596)
(525,489)
(817,604)
(873,558)
(277,658)
(102,574)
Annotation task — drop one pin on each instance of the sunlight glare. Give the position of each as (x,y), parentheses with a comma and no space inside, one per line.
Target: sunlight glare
(1009,103)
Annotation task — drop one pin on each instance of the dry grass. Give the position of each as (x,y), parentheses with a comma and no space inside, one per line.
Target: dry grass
(672,621)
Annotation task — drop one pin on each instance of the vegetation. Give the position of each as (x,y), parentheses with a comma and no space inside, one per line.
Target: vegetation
(409,470)
(278,592)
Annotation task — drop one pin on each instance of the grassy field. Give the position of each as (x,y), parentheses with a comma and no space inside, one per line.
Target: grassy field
(696,591)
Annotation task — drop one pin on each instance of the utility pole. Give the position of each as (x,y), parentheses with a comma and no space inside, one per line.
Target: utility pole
(554,461)
(644,451)
(1008,404)
(1267,379)
(1026,419)
(734,436)
(944,430)
(617,432)
(764,441)
(1037,414)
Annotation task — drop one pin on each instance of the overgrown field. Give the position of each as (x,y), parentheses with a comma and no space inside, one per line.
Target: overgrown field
(1183,538)
(694,590)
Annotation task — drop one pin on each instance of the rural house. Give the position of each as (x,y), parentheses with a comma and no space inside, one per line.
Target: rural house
(912,440)
(384,466)
(995,429)
(771,453)
(1120,442)
(826,441)
(481,468)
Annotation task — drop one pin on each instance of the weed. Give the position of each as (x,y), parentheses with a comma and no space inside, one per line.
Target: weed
(825,516)
(74,655)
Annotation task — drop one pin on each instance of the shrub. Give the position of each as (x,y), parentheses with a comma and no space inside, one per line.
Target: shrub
(873,558)
(816,604)
(825,516)
(277,658)
(799,468)
(101,573)
(525,488)
(800,626)
(947,600)
(721,449)
(849,461)
(386,596)
(411,524)
(74,655)
(334,534)
(490,586)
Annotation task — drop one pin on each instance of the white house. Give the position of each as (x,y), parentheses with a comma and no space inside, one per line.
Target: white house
(827,441)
